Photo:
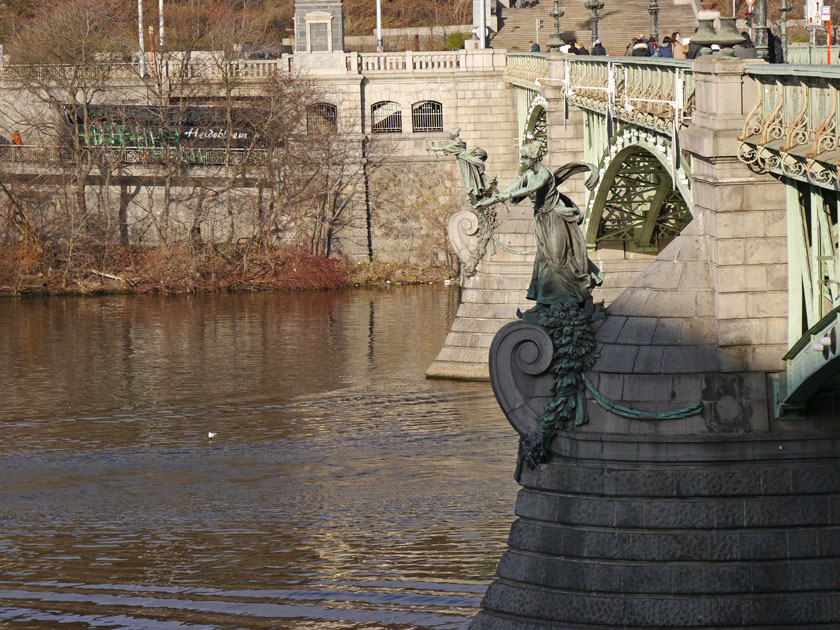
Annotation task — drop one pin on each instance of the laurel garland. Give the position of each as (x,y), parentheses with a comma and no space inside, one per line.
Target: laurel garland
(570,328)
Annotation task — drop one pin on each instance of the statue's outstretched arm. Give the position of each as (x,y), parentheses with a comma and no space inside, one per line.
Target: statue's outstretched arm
(445,148)
(522,187)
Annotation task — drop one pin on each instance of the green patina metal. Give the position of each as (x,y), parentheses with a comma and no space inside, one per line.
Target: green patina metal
(812,367)
(791,132)
(638,202)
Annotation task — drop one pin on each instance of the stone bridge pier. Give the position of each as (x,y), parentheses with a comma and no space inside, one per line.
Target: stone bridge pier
(728,518)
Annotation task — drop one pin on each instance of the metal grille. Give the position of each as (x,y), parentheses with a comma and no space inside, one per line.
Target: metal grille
(427,116)
(386,117)
(321,118)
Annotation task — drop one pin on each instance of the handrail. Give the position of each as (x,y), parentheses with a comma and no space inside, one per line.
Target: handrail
(793,127)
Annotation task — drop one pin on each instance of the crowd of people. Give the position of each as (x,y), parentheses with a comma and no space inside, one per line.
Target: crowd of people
(675,47)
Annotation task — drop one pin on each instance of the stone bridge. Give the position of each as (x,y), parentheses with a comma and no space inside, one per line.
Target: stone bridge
(701,490)
(715,218)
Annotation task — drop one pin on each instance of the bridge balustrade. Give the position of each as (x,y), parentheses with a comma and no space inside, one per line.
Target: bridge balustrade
(28,153)
(51,72)
(409,61)
(657,94)
(524,69)
(792,130)
(103,156)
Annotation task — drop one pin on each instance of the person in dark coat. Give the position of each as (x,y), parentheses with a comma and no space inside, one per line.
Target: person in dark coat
(535,47)
(582,50)
(774,44)
(598,49)
(746,49)
(664,50)
(640,49)
(693,49)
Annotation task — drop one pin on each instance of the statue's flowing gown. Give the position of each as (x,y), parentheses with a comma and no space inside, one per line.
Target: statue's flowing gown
(562,269)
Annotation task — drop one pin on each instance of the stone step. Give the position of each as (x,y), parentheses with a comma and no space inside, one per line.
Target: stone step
(470,339)
(493,297)
(478,325)
(506,312)
(618,25)
(498,282)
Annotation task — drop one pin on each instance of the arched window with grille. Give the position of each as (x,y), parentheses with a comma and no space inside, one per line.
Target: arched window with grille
(386,117)
(427,116)
(321,118)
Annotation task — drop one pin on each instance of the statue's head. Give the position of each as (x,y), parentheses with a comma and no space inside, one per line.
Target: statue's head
(455,132)
(529,154)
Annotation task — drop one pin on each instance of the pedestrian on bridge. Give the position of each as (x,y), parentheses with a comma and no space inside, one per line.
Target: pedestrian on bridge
(746,49)
(16,140)
(598,49)
(640,48)
(693,49)
(535,47)
(664,50)
(678,49)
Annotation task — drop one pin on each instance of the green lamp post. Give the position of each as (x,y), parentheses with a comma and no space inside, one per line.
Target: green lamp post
(555,41)
(653,8)
(594,6)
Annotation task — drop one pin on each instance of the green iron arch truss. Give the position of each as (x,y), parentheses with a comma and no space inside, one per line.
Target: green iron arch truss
(637,200)
(536,124)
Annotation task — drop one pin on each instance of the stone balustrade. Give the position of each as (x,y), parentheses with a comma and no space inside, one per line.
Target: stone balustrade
(28,153)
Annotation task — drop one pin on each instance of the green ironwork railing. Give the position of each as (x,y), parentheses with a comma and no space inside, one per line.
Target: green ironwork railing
(792,129)
(792,132)
(656,94)
(804,54)
(524,69)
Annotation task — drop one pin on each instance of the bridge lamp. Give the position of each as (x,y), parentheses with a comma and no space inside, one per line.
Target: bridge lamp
(594,6)
(555,41)
(786,8)
(761,44)
(653,8)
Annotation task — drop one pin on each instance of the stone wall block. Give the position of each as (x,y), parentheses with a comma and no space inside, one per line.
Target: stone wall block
(726,579)
(649,360)
(742,332)
(729,514)
(647,388)
(690,360)
(767,303)
(728,251)
(742,278)
(767,251)
(536,505)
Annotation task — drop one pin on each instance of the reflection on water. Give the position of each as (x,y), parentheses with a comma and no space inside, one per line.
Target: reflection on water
(341,490)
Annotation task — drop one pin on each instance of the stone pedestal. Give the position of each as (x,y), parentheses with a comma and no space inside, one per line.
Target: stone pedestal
(724,519)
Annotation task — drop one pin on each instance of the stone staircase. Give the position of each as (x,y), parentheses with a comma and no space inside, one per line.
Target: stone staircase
(620,22)
(490,298)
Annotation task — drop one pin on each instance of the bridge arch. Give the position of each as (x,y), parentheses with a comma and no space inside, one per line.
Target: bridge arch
(536,123)
(644,195)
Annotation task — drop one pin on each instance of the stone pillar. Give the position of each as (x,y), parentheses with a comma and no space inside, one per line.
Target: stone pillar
(744,220)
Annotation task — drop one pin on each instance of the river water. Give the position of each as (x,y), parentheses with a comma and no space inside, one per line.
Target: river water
(341,489)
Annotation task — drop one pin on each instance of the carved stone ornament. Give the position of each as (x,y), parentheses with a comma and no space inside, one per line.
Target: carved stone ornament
(520,358)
